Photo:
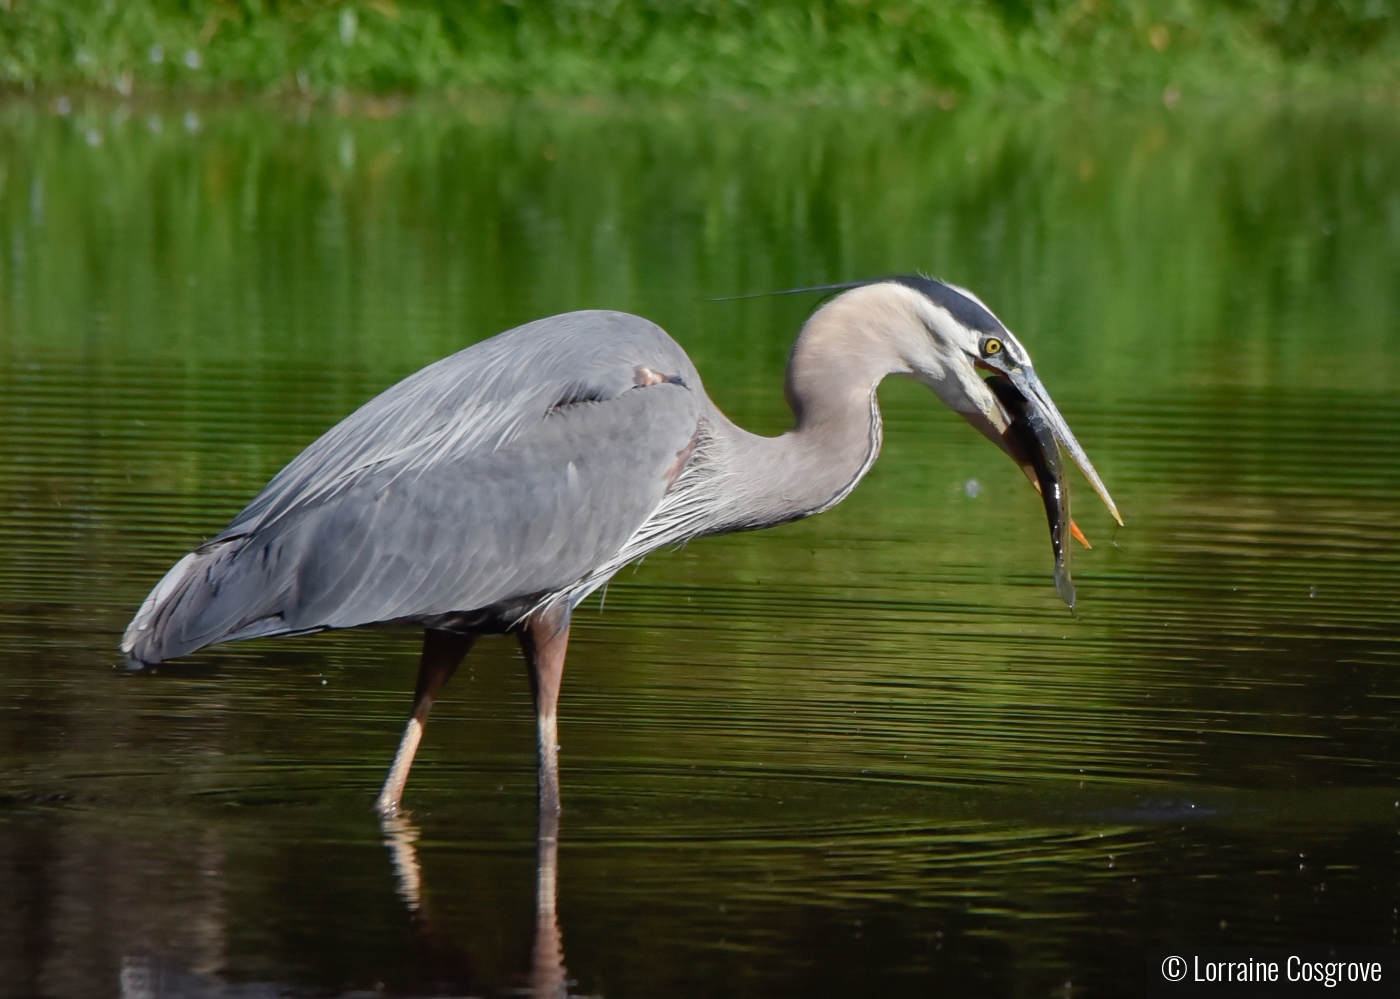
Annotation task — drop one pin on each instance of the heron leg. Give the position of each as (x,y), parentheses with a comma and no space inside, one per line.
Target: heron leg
(545,641)
(442,654)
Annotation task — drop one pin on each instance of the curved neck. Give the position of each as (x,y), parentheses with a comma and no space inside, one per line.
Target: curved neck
(843,353)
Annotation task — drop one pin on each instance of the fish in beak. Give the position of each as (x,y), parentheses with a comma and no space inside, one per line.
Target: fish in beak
(1034,436)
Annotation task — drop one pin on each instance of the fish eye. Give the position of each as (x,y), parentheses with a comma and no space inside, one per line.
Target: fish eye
(991,346)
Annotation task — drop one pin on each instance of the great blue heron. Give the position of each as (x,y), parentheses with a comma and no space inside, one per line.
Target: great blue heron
(494,490)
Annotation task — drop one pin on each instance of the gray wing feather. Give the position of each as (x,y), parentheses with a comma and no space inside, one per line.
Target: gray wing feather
(510,469)
(472,402)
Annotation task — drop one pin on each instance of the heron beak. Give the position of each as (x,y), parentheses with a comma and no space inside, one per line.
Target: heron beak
(1028,384)
(1034,437)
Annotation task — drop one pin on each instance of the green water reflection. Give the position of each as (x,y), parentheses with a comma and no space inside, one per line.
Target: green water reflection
(865,754)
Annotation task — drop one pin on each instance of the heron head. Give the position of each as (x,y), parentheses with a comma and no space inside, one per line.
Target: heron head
(967,356)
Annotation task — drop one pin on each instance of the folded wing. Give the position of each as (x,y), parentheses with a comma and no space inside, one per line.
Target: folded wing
(505,472)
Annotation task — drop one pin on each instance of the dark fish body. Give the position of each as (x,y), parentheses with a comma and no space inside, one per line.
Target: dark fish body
(1033,444)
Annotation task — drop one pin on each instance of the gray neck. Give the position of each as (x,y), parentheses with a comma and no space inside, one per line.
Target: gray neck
(832,376)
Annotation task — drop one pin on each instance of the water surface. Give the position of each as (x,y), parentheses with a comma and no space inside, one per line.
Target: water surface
(869,753)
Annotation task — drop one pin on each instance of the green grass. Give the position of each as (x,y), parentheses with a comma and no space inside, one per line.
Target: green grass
(768,47)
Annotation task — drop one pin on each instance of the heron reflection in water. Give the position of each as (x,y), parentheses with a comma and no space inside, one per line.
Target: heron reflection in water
(494,490)
(548,976)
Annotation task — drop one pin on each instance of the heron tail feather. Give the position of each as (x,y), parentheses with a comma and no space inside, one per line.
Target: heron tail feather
(184,611)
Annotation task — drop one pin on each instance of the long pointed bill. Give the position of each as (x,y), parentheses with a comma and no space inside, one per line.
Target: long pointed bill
(1034,438)
(1029,386)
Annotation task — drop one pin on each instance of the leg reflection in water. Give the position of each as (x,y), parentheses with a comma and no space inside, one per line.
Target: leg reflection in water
(399,836)
(548,978)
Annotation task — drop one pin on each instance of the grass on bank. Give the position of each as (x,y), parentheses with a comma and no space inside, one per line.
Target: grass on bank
(831,47)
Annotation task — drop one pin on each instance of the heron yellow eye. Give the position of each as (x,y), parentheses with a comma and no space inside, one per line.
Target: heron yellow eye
(991,346)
